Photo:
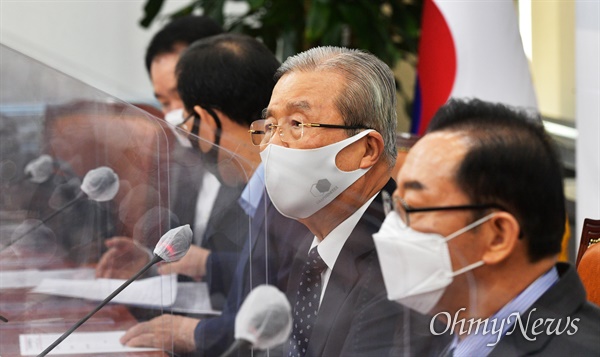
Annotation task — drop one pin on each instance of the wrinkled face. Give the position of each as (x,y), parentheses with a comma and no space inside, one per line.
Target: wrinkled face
(308,97)
(427,179)
(164,82)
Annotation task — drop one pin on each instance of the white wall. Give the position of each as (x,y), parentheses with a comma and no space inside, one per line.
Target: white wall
(587,60)
(96,41)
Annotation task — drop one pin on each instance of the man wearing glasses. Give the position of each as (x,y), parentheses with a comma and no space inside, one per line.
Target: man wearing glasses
(474,238)
(328,145)
(224,82)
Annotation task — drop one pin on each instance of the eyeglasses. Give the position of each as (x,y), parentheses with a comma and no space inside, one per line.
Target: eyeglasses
(403,209)
(262,131)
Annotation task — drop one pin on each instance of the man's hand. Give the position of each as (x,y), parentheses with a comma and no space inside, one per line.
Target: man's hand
(193,264)
(165,332)
(123,259)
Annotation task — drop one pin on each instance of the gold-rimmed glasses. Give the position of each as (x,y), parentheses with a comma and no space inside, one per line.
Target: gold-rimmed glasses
(262,130)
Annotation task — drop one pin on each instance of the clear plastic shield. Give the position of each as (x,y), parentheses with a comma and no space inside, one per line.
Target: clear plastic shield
(89,186)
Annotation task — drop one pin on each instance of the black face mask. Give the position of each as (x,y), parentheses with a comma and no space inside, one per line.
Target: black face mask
(211,157)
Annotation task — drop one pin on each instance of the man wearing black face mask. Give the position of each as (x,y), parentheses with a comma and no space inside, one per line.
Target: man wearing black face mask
(191,198)
(222,93)
(224,83)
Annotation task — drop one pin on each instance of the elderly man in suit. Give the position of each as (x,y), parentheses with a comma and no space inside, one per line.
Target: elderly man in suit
(328,145)
(207,72)
(475,236)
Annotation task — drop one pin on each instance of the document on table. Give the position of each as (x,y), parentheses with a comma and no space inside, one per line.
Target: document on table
(158,291)
(14,279)
(193,298)
(77,343)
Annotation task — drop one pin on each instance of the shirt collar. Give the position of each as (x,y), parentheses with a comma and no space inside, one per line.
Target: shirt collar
(253,192)
(476,344)
(331,246)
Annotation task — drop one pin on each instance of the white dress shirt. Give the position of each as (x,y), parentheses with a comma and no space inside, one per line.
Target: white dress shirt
(330,247)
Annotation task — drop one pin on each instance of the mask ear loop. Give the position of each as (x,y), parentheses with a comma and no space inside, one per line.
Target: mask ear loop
(219,126)
(465,269)
(195,132)
(470,226)
(468,267)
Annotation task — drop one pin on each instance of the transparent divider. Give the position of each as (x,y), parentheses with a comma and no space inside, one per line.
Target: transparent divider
(80,169)
(69,237)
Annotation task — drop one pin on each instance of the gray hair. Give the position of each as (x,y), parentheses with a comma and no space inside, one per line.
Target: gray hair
(369,97)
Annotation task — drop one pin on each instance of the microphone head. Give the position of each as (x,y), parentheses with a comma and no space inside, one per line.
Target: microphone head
(173,245)
(40,169)
(265,318)
(100,184)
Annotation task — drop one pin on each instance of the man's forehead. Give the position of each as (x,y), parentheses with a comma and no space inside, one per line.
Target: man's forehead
(305,91)
(299,105)
(433,158)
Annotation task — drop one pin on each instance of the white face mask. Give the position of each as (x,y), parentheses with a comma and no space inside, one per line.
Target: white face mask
(175,117)
(301,182)
(416,266)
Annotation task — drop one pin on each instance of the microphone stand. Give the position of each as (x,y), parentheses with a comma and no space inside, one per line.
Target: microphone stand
(237,345)
(79,196)
(155,259)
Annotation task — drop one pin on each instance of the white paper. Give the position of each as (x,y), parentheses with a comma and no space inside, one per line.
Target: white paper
(76,344)
(193,298)
(158,291)
(14,279)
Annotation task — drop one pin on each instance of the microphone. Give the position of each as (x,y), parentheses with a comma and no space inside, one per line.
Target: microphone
(263,321)
(40,169)
(171,247)
(100,184)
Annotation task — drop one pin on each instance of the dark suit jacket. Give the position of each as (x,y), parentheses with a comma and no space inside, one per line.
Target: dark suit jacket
(266,259)
(185,180)
(226,226)
(565,300)
(355,317)
(225,235)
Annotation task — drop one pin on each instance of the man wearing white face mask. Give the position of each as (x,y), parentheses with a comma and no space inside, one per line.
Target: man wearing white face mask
(475,235)
(193,189)
(328,147)
(191,198)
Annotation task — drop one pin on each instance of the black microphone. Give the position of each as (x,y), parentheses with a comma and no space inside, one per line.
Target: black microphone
(263,321)
(100,184)
(171,247)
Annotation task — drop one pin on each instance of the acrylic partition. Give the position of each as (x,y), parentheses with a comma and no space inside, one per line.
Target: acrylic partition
(88,186)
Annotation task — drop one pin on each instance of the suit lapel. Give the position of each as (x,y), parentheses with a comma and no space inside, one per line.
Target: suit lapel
(345,275)
(343,278)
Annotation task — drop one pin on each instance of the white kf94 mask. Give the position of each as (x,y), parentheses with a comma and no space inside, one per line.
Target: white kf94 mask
(175,117)
(416,266)
(300,182)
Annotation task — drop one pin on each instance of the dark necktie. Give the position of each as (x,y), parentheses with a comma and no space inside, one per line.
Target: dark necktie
(307,303)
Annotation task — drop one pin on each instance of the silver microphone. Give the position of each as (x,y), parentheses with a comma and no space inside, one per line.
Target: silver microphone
(100,184)
(263,321)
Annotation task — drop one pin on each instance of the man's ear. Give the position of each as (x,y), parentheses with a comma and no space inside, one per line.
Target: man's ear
(505,231)
(208,126)
(374,148)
